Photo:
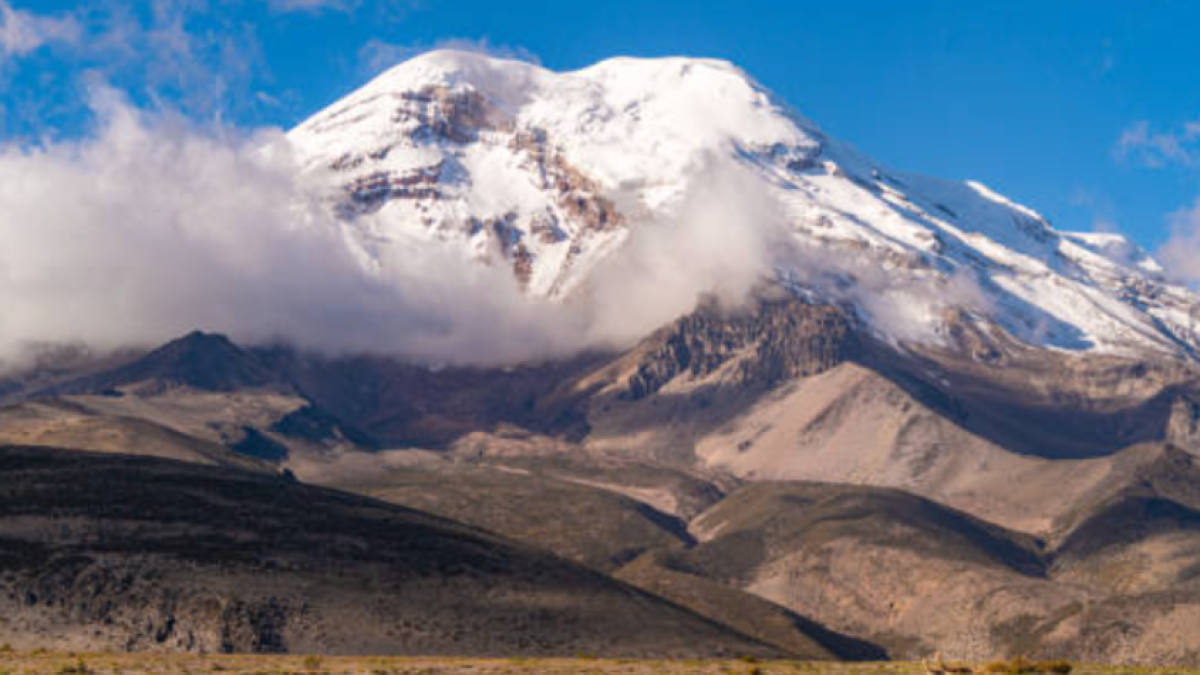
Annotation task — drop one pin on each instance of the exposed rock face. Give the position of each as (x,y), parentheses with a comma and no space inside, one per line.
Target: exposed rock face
(778,341)
(432,114)
(1183,427)
(579,196)
(455,115)
(429,148)
(370,192)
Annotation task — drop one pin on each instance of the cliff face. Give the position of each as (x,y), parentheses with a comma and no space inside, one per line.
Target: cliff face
(779,340)
(1183,427)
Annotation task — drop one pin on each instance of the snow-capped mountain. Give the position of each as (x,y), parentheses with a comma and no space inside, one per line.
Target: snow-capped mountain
(552,173)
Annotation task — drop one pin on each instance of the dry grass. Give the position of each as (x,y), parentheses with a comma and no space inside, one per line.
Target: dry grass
(43,663)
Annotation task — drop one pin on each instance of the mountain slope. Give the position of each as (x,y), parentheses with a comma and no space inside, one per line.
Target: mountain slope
(599,528)
(916,577)
(553,173)
(670,445)
(202,361)
(792,390)
(112,552)
(585,520)
(777,390)
(68,424)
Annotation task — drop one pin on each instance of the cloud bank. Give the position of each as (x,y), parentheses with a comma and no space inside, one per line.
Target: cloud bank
(152,227)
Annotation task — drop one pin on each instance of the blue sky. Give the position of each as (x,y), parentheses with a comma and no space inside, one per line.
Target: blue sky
(1086,111)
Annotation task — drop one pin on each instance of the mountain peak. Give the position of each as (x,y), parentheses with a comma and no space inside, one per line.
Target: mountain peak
(198,360)
(450,59)
(550,174)
(198,339)
(454,68)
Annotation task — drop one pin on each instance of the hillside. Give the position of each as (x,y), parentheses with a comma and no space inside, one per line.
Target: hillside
(116,552)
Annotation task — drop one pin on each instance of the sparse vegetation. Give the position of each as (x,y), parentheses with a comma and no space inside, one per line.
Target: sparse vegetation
(48,663)
(79,667)
(1021,666)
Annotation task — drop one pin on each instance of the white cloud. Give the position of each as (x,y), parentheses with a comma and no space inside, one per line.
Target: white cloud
(154,227)
(378,55)
(1181,252)
(23,32)
(1160,148)
(162,54)
(307,5)
(385,9)
(196,56)
(722,242)
(156,49)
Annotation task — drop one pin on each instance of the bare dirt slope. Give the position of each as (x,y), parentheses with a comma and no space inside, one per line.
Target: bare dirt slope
(916,576)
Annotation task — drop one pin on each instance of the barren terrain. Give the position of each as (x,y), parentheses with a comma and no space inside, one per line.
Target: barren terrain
(50,663)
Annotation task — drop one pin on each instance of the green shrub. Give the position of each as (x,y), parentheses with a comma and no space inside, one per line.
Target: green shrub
(77,668)
(312,662)
(1019,665)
